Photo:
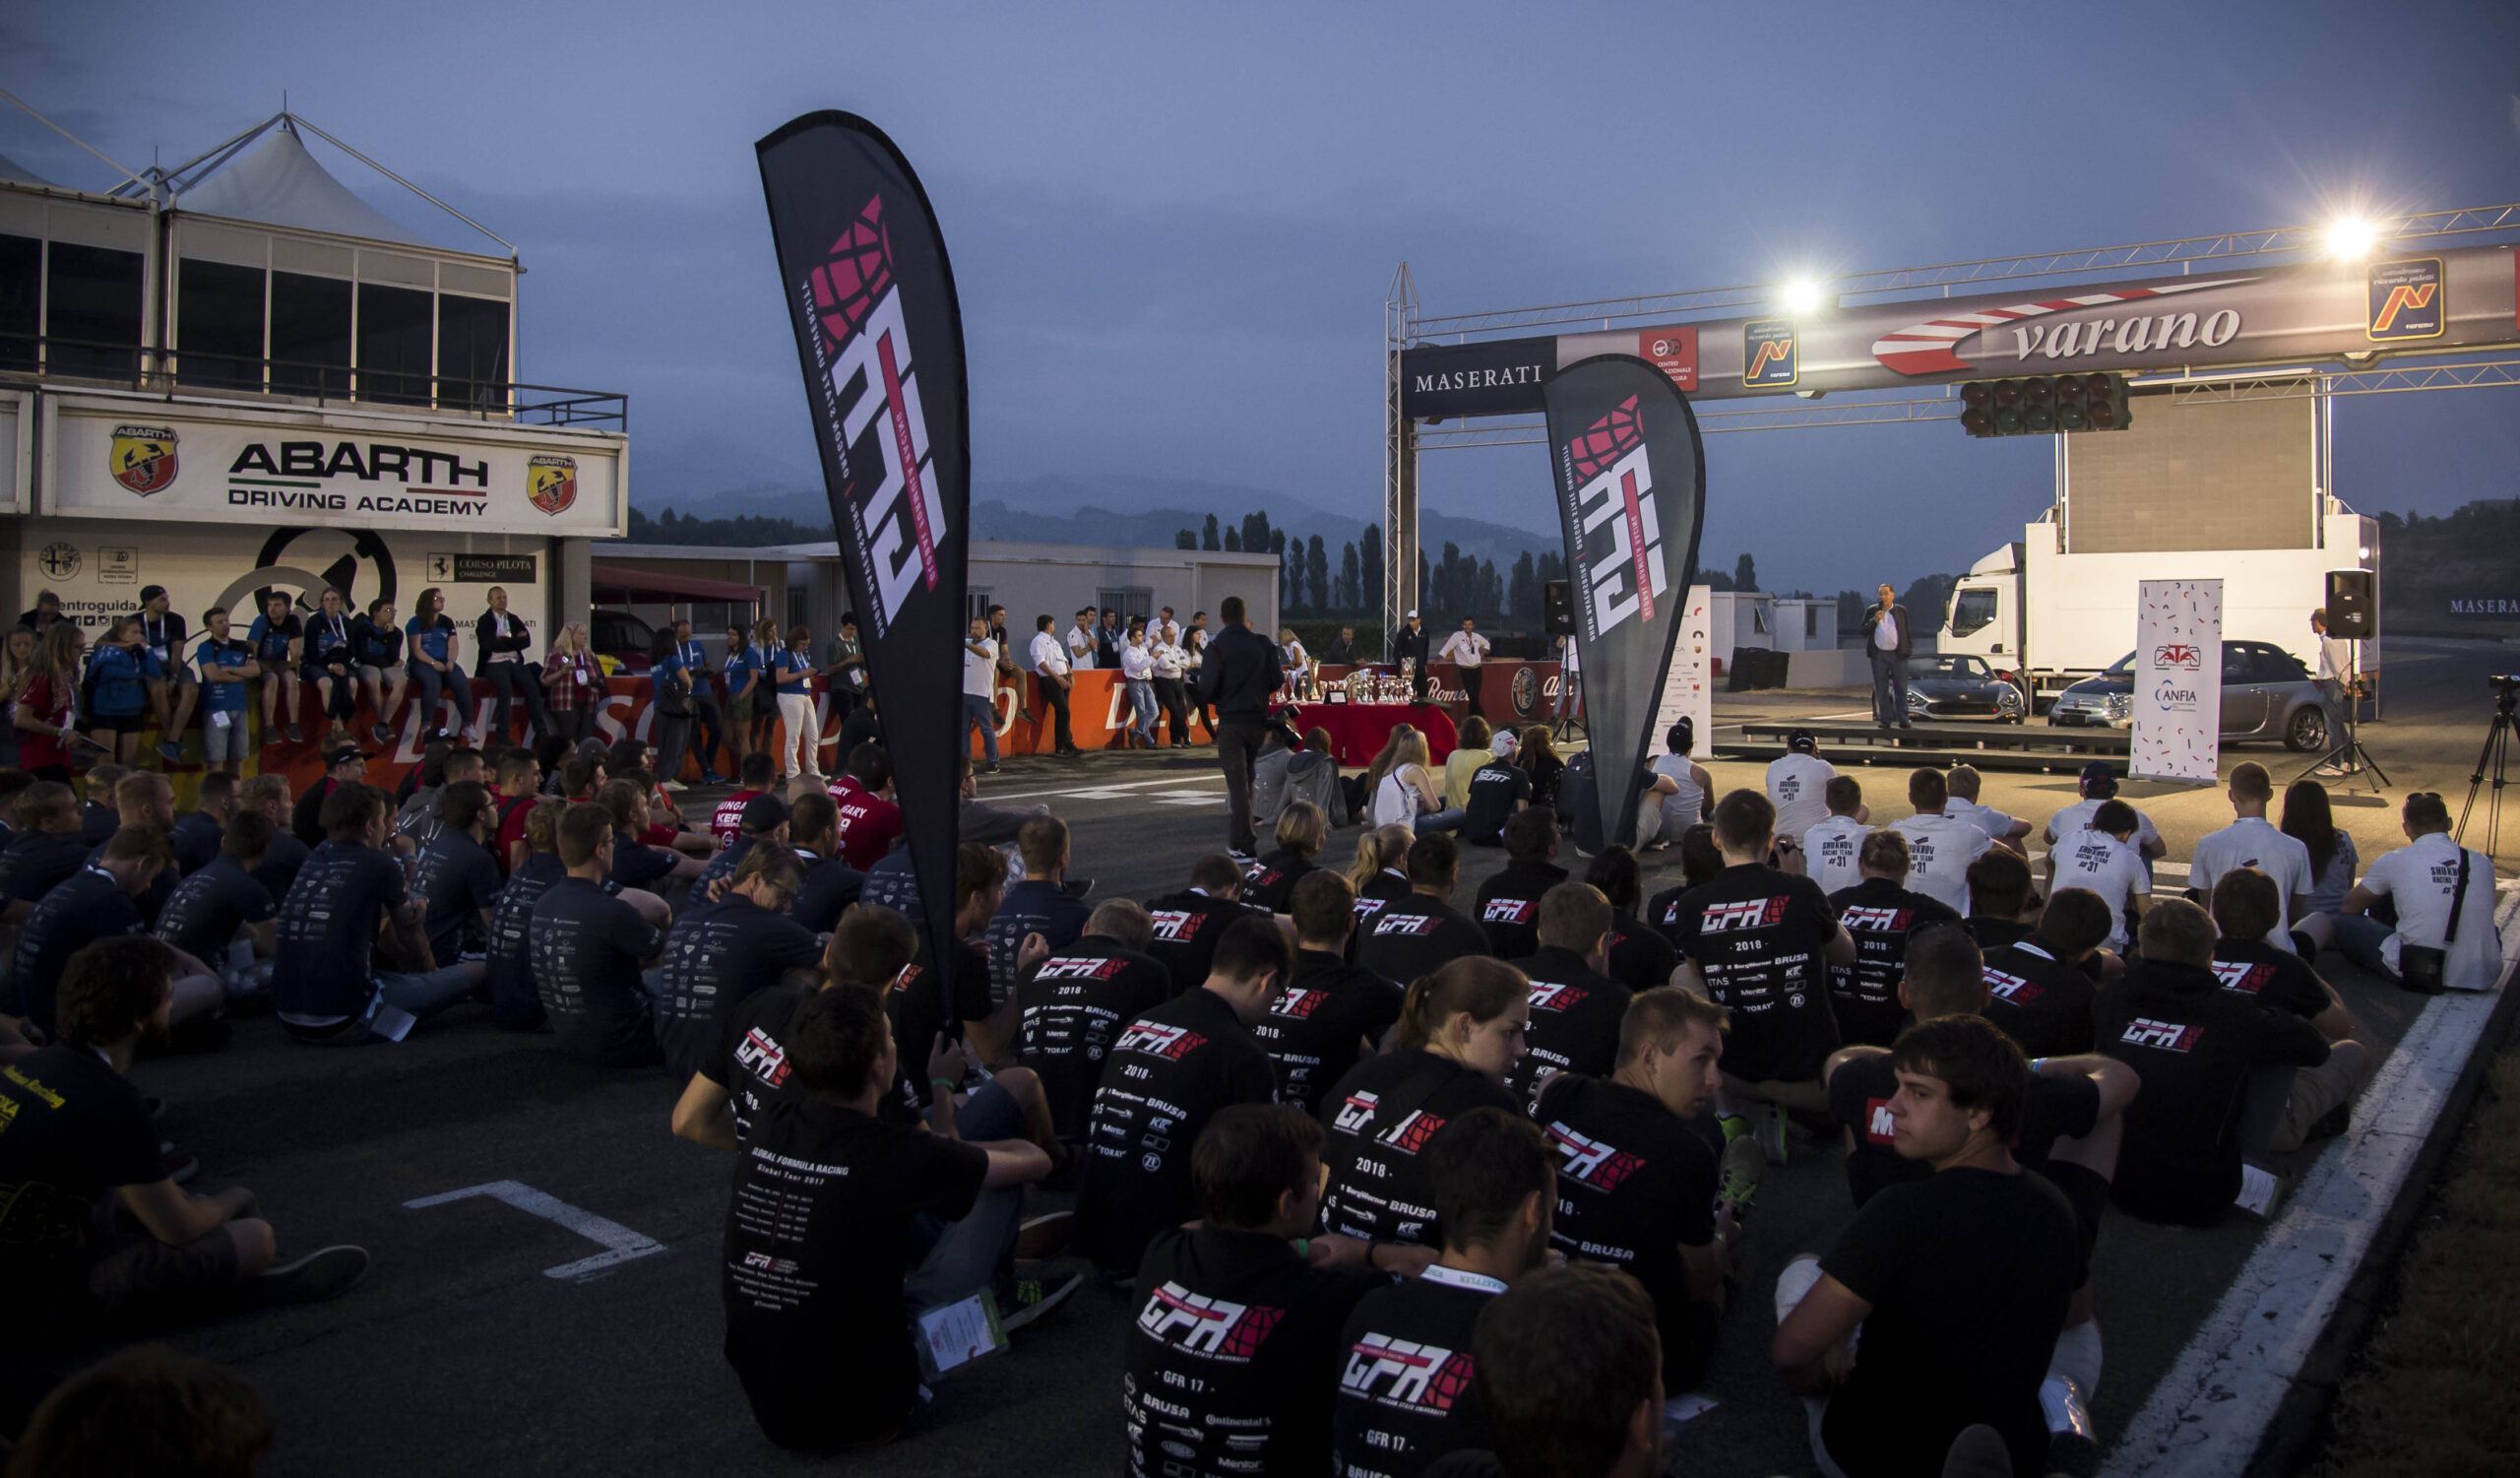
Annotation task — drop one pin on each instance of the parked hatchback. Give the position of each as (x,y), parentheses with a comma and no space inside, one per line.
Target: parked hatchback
(2267,694)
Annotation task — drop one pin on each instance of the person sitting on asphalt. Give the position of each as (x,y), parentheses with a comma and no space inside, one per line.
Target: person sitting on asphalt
(1570,1371)
(591,951)
(635,864)
(1470,753)
(100,813)
(1376,873)
(1169,1075)
(2315,1098)
(96,902)
(44,850)
(344,766)
(269,794)
(820,1232)
(753,777)
(1500,789)
(1831,845)
(1963,782)
(1301,829)
(419,820)
(1071,1004)
(1880,912)
(456,879)
(1638,956)
(1332,1012)
(830,884)
(1408,1392)
(1509,900)
(145,797)
(1407,793)
(213,908)
(121,1241)
(2041,987)
(1418,934)
(1758,942)
(724,950)
(2444,896)
(1188,923)
(195,834)
(1576,1008)
(1638,1187)
(146,1409)
(764,818)
(1939,847)
(508,973)
(1458,1040)
(2099,783)
(1678,795)
(1209,1387)
(519,788)
(2252,841)
(2197,1138)
(2102,857)
(1041,905)
(2004,906)
(1797,783)
(871,823)
(1959,1282)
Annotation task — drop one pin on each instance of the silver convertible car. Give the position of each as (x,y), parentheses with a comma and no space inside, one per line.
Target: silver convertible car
(1953,686)
(2267,694)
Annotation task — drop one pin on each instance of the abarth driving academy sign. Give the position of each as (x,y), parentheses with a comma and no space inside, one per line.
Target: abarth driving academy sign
(328,468)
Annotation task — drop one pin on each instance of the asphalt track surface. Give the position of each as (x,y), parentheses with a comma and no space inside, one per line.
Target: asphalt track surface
(460,1353)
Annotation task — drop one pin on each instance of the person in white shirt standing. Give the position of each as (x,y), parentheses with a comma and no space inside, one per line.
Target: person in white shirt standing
(2252,841)
(1053,666)
(2004,831)
(2336,684)
(1466,649)
(2099,783)
(1137,670)
(1797,784)
(1940,847)
(2444,895)
(1833,847)
(979,684)
(1165,631)
(1570,676)
(1170,664)
(1079,641)
(2101,857)
(1888,639)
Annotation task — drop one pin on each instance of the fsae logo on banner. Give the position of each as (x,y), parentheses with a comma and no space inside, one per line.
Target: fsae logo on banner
(1620,535)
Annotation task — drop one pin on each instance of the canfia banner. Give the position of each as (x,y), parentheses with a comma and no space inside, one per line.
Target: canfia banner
(879,333)
(2178,682)
(1632,479)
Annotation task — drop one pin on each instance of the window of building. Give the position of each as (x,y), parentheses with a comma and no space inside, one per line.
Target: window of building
(394,337)
(1759,617)
(1811,621)
(93,299)
(472,353)
(796,598)
(310,334)
(1129,600)
(219,324)
(20,301)
(976,600)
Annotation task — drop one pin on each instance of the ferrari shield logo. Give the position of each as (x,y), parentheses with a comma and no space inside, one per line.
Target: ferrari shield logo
(551,481)
(142,457)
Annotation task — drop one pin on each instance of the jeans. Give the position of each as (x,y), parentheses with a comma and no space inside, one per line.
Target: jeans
(2331,701)
(711,735)
(1439,821)
(977,713)
(426,994)
(510,680)
(979,1252)
(2359,939)
(1141,699)
(433,683)
(1238,750)
(1889,689)
(673,740)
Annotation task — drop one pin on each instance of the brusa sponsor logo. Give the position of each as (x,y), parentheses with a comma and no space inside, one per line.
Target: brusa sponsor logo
(1753,913)
(142,457)
(1619,534)
(1590,1161)
(2013,988)
(1199,1325)
(1507,911)
(1410,1134)
(1878,921)
(2169,1036)
(2178,654)
(1551,996)
(1428,1377)
(761,1055)
(1355,1112)
(1156,1040)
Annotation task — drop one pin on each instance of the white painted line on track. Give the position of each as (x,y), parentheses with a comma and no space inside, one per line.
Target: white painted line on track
(1088,789)
(620,1244)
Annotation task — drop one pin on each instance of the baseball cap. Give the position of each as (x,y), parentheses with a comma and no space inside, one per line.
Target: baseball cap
(764,814)
(1505,742)
(1410,616)
(342,754)
(1801,741)
(148,593)
(2100,778)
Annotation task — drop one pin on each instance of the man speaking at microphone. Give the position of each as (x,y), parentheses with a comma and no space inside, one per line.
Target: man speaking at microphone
(1238,677)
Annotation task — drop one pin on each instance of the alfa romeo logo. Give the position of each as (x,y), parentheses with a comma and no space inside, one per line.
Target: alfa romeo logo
(60,562)
(142,457)
(1526,691)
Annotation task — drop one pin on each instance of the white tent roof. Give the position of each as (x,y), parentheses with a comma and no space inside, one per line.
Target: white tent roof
(281,185)
(10,170)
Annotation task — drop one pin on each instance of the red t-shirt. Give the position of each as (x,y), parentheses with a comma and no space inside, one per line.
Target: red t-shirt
(36,751)
(514,813)
(728,818)
(869,824)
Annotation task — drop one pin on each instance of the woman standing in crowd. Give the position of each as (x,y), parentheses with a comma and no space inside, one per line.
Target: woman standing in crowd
(330,665)
(1137,670)
(794,665)
(570,683)
(376,643)
(2309,820)
(1407,794)
(765,691)
(432,659)
(46,710)
(16,670)
(118,673)
(1540,760)
(741,672)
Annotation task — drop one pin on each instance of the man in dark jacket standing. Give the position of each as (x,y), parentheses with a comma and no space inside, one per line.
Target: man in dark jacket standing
(1409,644)
(1239,676)
(1888,638)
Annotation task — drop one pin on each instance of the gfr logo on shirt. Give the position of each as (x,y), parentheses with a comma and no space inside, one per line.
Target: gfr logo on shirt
(763,1058)
(1410,1134)
(1425,1377)
(1159,1041)
(1396,924)
(1083,967)
(1176,925)
(1301,1004)
(1210,1328)
(2169,1036)
(1590,1161)
(1875,921)
(1508,911)
(2243,977)
(2012,987)
(1546,996)
(1355,1112)
(1756,913)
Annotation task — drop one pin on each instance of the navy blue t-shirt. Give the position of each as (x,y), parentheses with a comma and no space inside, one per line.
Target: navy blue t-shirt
(195,836)
(1031,906)
(513,1002)
(209,906)
(278,870)
(636,864)
(457,879)
(589,948)
(34,861)
(717,955)
(324,953)
(830,884)
(87,906)
(721,866)
(891,883)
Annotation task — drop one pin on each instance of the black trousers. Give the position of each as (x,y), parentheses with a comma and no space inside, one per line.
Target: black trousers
(1175,699)
(1238,750)
(513,681)
(1472,682)
(1054,694)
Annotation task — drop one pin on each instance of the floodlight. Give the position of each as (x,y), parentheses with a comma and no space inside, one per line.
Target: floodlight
(2352,238)
(1803,296)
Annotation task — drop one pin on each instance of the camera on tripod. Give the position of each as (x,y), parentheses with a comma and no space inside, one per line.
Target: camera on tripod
(2505,683)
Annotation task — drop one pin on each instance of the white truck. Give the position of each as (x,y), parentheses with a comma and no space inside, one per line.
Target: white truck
(2048,618)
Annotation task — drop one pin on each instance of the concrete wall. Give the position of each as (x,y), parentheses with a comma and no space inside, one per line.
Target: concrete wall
(1051,579)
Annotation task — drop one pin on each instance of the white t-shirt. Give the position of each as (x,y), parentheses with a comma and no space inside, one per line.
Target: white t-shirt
(1048,657)
(2077,816)
(1939,852)
(978,671)
(2255,842)
(1830,850)
(1684,807)
(2421,875)
(1570,660)
(1080,648)
(1796,786)
(2106,865)
(1396,799)
(1994,823)
(1464,649)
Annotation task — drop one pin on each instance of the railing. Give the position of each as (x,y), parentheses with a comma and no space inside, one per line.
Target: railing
(146,367)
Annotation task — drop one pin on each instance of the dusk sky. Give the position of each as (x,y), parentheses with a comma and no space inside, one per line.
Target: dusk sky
(1173,225)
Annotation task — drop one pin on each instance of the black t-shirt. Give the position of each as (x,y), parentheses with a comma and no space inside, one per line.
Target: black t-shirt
(278,870)
(1879,914)
(1495,789)
(2274,977)
(2195,1042)
(306,818)
(1233,1355)
(1634,1184)
(918,1007)
(1187,926)
(1995,933)
(209,907)
(1271,881)
(456,881)
(34,861)
(817,1242)
(512,1000)
(2040,999)
(1575,1015)
(1405,1393)
(1322,1022)
(830,885)
(1860,1094)
(588,950)
(1756,935)
(1379,892)
(717,955)
(636,864)
(97,823)
(891,882)
(151,900)
(1418,935)
(324,951)
(1639,958)
(86,905)
(76,1129)
(1375,1120)
(1167,1074)
(1968,1273)
(1509,906)
(1032,906)
(195,837)
(1071,1005)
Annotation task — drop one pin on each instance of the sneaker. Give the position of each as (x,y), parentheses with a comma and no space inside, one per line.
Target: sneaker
(1978,1451)
(1241,858)
(2333,1123)
(383,733)
(671,785)
(1078,888)
(712,777)
(296,735)
(181,1168)
(1044,1236)
(170,752)
(990,768)
(2073,1444)
(1037,1300)
(315,1278)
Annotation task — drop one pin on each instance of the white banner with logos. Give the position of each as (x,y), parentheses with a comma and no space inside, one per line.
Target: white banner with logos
(2178,682)
(142,457)
(1689,689)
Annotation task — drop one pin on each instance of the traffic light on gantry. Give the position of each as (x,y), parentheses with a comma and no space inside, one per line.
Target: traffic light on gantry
(2044,405)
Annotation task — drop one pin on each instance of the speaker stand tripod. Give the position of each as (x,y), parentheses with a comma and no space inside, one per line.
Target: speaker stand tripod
(2349,756)
(1570,698)
(2490,765)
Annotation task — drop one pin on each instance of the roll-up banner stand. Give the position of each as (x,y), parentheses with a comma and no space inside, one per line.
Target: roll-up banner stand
(2179,683)
(1631,479)
(879,333)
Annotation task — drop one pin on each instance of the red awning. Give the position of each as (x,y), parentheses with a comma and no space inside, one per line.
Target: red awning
(614,582)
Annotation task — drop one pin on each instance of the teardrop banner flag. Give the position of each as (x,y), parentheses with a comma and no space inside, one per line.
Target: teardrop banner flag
(879,333)
(1631,481)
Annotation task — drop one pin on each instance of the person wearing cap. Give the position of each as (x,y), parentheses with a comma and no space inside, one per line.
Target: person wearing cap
(1798,785)
(343,764)
(1888,638)
(163,632)
(1465,650)
(1409,644)
(47,610)
(2099,783)
(764,818)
